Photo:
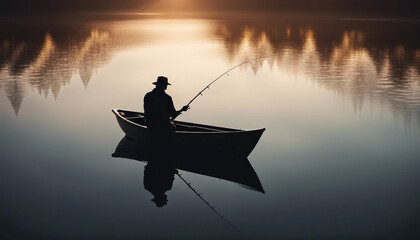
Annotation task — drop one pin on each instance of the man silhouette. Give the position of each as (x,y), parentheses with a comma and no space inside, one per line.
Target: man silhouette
(159,108)
(159,176)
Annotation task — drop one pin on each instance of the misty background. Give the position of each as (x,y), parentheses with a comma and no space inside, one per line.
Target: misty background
(385,8)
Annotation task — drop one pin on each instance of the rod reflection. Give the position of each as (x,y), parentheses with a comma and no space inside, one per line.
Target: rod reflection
(162,163)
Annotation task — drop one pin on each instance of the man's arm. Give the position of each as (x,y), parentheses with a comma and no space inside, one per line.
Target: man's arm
(173,113)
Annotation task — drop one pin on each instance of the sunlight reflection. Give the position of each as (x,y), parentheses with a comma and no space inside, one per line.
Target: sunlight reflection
(349,61)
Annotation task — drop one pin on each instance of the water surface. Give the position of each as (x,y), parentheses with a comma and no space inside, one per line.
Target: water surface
(340,99)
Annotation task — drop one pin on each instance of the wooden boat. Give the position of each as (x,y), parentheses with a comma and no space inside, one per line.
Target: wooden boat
(190,135)
(217,164)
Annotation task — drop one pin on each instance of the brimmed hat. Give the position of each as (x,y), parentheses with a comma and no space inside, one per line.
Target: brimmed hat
(161,80)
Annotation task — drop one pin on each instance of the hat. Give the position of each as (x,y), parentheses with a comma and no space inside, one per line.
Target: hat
(162,80)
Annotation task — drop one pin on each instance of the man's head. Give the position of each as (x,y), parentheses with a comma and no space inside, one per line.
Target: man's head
(160,200)
(162,83)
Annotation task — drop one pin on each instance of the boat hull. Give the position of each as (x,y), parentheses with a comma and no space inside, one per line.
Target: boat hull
(203,137)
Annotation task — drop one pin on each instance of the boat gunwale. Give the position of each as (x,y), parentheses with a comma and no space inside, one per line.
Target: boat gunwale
(235,131)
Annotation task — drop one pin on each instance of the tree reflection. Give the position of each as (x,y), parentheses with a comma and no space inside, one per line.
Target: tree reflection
(367,60)
(378,61)
(46,61)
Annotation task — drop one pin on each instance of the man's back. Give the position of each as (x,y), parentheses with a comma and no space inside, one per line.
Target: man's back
(158,108)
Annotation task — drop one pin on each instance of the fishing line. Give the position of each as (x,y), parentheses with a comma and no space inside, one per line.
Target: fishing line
(208,204)
(208,86)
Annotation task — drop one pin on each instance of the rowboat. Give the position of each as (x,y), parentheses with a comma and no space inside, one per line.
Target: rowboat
(191,135)
(216,164)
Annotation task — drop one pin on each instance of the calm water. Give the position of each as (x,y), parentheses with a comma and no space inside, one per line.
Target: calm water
(339,98)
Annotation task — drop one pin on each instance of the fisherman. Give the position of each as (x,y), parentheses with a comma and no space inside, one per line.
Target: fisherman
(159,109)
(159,176)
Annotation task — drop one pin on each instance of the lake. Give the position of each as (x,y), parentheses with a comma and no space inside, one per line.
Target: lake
(339,98)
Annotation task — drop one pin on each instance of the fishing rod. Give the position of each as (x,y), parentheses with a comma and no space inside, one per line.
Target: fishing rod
(207,203)
(208,86)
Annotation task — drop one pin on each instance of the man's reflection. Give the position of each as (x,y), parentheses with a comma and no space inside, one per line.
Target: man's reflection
(159,176)
(163,162)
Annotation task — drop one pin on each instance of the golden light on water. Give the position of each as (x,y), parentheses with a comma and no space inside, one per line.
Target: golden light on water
(417,56)
(335,97)
(168,6)
(177,47)
(46,50)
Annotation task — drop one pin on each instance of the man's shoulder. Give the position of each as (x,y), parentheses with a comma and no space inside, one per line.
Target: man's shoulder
(157,94)
(149,94)
(167,95)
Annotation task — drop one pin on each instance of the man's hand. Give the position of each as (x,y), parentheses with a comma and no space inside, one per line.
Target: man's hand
(185,108)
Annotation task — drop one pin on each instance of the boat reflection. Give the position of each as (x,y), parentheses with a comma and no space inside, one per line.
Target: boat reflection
(164,162)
